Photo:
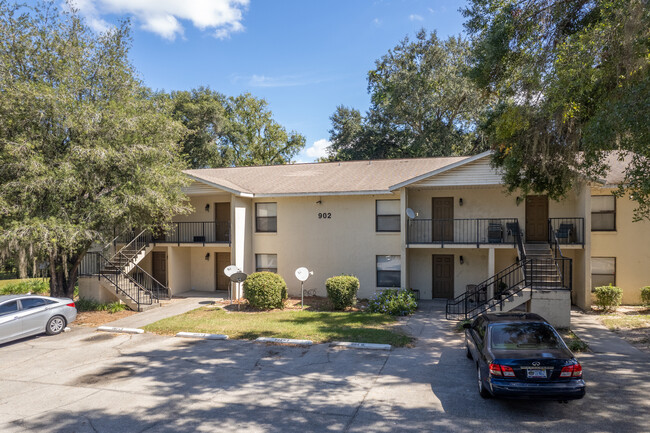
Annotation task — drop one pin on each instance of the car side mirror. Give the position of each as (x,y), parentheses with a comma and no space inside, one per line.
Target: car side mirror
(467,325)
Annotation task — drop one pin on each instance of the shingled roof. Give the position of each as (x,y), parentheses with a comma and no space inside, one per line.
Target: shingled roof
(348,177)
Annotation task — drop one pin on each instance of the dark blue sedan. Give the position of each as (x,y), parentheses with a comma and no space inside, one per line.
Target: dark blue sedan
(520,355)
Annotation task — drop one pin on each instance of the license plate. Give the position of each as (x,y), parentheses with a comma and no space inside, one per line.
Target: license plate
(536,374)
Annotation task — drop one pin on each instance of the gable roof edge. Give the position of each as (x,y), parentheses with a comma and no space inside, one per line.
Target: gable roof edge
(216,185)
(440,170)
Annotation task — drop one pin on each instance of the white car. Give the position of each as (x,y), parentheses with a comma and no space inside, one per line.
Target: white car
(25,315)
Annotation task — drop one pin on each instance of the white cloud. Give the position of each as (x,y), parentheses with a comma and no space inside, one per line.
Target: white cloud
(377,22)
(164,17)
(318,149)
(281,80)
(415,17)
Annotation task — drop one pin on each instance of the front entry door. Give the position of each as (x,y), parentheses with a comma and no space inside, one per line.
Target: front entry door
(223,260)
(159,266)
(222,218)
(442,213)
(443,276)
(536,218)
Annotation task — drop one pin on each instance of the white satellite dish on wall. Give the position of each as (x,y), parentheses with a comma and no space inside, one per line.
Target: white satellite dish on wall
(302,274)
(410,213)
(232,269)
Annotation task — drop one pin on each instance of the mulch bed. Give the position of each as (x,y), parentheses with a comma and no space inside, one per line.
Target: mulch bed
(312,303)
(98,318)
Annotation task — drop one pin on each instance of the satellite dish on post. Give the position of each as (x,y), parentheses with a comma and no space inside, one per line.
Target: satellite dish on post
(410,213)
(238,277)
(230,270)
(302,274)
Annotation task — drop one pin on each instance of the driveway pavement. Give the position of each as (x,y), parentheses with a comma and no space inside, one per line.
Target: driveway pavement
(85,381)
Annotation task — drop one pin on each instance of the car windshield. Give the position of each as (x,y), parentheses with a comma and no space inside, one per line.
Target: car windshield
(513,336)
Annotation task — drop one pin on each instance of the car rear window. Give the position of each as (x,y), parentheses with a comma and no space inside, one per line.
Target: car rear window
(513,336)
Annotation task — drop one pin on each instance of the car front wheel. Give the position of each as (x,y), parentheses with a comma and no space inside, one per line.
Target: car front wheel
(55,325)
(481,388)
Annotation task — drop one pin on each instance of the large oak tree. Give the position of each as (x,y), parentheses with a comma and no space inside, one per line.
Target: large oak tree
(84,148)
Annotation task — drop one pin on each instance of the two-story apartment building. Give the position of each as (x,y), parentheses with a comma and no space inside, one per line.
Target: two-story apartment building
(441,226)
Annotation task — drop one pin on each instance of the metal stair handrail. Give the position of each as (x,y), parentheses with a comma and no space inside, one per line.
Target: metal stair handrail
(506,284)
(134,284)
(155,285)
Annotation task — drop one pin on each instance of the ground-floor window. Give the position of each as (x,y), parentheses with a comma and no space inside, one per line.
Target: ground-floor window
(389,271)
(603,271)
(266,263)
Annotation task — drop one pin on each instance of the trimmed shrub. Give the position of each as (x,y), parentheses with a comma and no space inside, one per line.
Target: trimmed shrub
(342,291)
(645,295)
(608,297)
(26,286)
(265,290)
(396,302)
(90,305)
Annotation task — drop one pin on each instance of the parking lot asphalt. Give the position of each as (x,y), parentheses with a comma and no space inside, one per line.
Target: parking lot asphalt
(86,381)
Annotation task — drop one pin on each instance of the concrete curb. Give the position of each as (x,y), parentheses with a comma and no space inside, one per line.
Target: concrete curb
(284,341)
(202,335)
(121,330)
(371,346)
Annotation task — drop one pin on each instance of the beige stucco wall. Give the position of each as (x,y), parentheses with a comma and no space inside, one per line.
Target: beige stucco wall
(552,305)
(92,288)
(199,213)
(630,244)
(179,269)
(346,243)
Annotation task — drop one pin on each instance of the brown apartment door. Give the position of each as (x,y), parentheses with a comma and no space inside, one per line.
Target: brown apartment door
(442,213)
(443,276)
(536,218)
(159,266)
(223,260)
(222,219)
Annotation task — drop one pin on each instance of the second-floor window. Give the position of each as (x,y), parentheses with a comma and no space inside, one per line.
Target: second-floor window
(266,263)
(387,216)
(266,217)
(603,213)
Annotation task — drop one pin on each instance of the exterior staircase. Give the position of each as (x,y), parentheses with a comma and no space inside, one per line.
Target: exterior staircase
(116,267)
(538,268)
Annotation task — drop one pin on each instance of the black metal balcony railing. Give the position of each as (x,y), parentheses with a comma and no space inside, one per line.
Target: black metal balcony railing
(196,232)
(462,231)
(567,231)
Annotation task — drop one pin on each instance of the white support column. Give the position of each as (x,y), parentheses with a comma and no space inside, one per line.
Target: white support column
(403,224)
(491,266)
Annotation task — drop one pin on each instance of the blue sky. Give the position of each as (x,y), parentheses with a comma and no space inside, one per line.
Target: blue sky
(304,57)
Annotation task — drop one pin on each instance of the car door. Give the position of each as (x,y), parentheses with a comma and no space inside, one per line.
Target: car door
(34,314)
(10,327)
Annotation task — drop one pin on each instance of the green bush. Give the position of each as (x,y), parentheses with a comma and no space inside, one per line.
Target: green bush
(645,295)
(265,290)
(26,286)
(90,305)
(342,291)
(608,297)
(396,302)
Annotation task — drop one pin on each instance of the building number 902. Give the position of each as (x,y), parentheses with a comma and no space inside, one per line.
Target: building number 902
(324,215)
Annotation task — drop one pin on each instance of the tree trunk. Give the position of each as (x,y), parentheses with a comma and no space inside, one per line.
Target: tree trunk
(63,275)
(22,263)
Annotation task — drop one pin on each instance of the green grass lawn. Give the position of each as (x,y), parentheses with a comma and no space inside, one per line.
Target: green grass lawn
(634,321)
(318,326)
(20,286)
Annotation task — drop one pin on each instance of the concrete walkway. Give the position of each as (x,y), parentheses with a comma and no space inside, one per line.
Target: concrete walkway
(600,339)
(181,303)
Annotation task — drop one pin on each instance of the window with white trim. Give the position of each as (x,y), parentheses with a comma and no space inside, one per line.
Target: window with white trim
(603,213)
(387,216)
(266,263)
(389,271)
(603,271)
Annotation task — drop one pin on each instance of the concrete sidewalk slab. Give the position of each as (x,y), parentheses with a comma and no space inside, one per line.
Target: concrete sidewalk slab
(181,303)
(599,338)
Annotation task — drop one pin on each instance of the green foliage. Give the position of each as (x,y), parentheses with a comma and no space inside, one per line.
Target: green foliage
(27,286)
(423,104)
(573,83)
(608,297)
(265,290)
(396,302)
(645,295)
(342,291)
(84,147)
(90,305)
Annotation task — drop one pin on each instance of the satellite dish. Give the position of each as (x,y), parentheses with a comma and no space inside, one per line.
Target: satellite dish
(302,274)
(230,270)
(410,213)
(238,277)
